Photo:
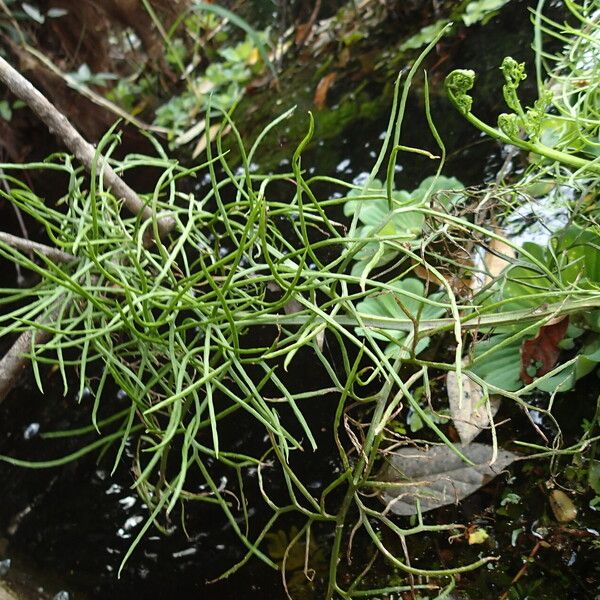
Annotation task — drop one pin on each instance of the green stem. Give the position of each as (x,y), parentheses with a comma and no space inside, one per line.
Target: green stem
(427,327)
(535,147)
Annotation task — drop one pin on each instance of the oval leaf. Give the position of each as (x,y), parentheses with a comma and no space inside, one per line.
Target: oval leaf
(471,416)
(437,476)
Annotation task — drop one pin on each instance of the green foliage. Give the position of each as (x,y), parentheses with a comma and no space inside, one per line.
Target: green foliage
(5,110)
(570,259)
(502,367)
(385,229)
(83,75)
(220,86)
(564,146)
(172,324)
(470,13)
(402,300)
(458,83)
(131,94)
(481,11)
(560,139)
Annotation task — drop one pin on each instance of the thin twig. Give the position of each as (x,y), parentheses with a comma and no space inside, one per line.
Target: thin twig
(85,152)
(29,246)
(14,362)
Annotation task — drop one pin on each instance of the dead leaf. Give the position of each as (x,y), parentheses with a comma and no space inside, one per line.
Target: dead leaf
(491,262)
(259,83)
(211,134)
(562,506)
(302,33)
(497,259)
(320,99)
(539,355)
(471,416)
(190,134)
(426,274)
(437,476)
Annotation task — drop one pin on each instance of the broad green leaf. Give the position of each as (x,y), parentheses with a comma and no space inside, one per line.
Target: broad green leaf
(377,221)
(578,249)
(502,367)
(481,10)
(594,476)
(400,306)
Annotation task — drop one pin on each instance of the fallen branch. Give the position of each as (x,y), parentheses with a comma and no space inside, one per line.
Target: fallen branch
(14,362)
(28,246)
(85,152)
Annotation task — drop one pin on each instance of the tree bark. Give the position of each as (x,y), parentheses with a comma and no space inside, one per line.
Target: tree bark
(13,363)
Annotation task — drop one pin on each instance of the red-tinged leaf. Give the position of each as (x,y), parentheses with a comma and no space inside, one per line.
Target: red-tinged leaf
(541,352)
(323,86)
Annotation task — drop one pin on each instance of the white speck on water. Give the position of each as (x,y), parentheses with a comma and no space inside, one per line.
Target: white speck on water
(127,502)
(361,178)
(31,431)
(133,522)
(85,394)
(342,166)
(123,532)
(115,488)
(4,566)
(186,552)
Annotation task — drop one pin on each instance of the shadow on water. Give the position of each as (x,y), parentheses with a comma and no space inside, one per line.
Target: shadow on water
(69,528)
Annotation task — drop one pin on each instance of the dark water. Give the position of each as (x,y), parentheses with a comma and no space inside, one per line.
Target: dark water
(69,528)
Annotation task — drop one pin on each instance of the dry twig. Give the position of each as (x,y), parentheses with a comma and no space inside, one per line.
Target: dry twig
(84,151)
(14,361)
(54,254)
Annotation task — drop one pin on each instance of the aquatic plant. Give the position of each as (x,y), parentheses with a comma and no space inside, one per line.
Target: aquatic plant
(200,328)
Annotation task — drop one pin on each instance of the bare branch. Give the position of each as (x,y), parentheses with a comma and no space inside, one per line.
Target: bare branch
(13,363)
(84,151)
(28,246)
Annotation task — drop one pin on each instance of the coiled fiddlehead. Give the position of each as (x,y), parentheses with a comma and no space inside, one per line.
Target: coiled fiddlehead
(458,83)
